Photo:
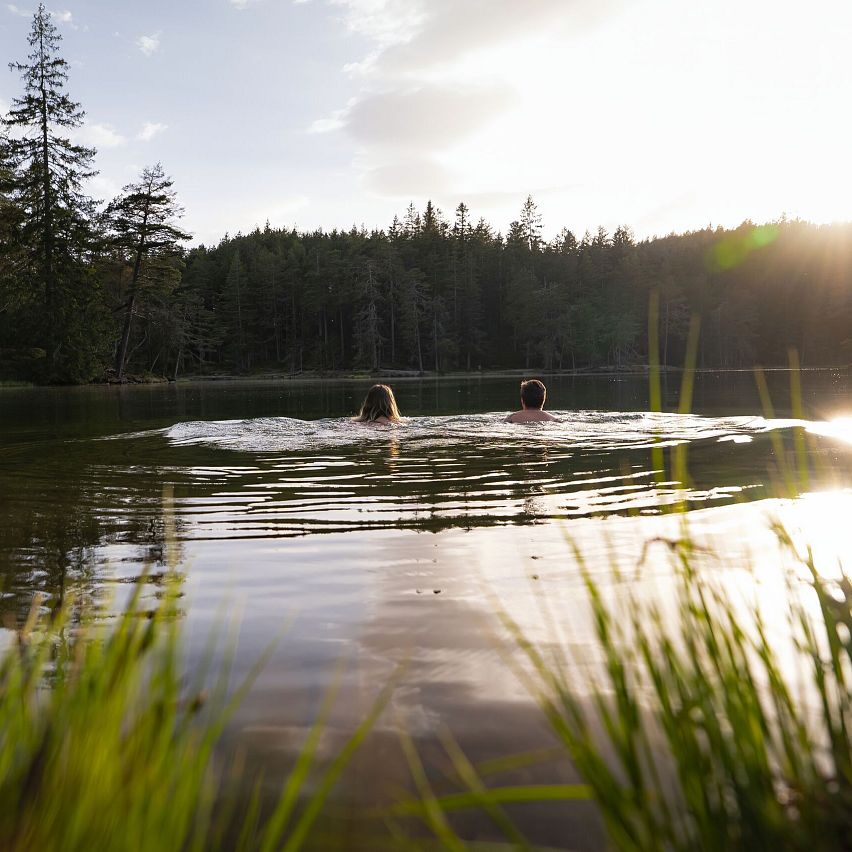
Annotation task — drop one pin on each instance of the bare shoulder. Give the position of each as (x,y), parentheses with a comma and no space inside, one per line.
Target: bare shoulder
(530,416)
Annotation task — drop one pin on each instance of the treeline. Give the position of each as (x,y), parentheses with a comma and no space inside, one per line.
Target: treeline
(89,292)
(427,294)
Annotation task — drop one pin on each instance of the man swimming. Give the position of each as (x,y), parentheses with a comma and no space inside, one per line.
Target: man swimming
(533,395)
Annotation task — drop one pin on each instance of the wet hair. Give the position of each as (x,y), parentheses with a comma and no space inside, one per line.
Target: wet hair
(533,393)
(379,402)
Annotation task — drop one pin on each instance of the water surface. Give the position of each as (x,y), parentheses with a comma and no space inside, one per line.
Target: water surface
(384,545)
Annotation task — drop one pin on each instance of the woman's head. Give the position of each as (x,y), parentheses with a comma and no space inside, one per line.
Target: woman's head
(378,403)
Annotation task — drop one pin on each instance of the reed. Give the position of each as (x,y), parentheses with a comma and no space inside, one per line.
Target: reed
(702,730)
(105,745)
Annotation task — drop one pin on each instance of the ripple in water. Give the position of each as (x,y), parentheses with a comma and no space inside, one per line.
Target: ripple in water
(594,430)
(276,476)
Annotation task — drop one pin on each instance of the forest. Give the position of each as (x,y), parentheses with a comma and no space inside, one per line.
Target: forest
(94,291)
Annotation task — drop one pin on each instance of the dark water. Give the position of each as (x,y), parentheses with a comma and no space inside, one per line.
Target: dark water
(373,547)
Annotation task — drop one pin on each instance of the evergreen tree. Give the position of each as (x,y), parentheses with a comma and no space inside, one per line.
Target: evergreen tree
(142,222)
(49,175)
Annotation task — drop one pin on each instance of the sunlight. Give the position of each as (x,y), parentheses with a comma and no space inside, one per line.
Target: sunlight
(839,428)
(819,521)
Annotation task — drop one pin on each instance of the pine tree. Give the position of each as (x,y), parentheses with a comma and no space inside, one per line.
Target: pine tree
(49,175)
(142,226)
(11,220)
(530,224)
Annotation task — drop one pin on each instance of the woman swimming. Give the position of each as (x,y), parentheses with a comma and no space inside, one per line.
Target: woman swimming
(379,406)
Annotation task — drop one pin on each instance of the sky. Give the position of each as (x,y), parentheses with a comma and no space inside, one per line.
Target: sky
(662,115)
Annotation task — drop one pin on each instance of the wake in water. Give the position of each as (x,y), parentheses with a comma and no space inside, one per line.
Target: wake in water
(581,430)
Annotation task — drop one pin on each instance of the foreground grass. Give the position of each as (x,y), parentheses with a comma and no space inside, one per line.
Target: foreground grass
(104,746)
(701,732)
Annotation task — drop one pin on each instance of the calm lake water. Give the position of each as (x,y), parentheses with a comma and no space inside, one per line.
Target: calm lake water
(367,548)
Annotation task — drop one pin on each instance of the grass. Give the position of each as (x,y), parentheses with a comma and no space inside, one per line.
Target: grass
(704,731)
(105,744)
(710,741)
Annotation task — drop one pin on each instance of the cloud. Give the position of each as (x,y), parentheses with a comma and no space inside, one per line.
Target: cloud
(149,44)
(60,16)
(451,31)
(64,17)
(103,187)
(409,178)
(335,121)
(427,117)
(99,136)
(438,77)
(150,129)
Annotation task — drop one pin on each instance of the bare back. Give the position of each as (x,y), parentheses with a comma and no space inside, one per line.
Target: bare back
(530,415)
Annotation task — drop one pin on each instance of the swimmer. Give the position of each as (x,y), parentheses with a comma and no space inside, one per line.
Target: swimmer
(379,406)
(533,395)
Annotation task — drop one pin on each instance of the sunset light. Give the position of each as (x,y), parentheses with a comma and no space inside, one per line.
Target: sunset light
(662,115)
(426,424)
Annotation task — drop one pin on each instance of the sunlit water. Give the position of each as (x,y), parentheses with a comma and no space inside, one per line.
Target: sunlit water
(378,546)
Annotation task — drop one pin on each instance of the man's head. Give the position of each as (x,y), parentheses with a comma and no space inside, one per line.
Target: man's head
(533,394)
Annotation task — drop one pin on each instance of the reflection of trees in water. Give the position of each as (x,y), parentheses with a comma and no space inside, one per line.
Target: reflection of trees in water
(78,514)
(58,527)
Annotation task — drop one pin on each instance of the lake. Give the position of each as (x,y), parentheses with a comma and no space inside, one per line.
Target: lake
(369,548)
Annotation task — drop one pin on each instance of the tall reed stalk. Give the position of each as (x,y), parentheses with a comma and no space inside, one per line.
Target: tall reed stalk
(105,744)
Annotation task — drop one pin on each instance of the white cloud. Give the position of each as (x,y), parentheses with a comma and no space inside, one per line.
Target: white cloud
(64,17)
(335,121)
(60,16)
(148,44)
(150,129)
(103,188)
(327,125)
(425,117)
(442,89)
(99,136)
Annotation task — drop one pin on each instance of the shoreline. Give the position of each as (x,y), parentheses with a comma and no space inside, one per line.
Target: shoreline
(414,375)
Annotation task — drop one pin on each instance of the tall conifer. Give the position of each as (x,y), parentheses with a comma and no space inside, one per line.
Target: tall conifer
(50,170)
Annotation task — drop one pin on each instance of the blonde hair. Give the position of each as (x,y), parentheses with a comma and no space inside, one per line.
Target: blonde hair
(379,402)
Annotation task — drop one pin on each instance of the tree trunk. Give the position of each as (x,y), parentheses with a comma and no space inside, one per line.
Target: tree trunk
(47,226)
(275,320)
(392,328)
(121,357)
(435,339)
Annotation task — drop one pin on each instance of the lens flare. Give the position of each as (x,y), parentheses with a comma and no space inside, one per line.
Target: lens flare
(733,249)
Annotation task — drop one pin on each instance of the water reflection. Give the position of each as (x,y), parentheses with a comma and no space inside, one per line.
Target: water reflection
(78,506)
(390,546)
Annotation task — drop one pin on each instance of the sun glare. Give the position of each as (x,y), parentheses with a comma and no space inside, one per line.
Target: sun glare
(839,428)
